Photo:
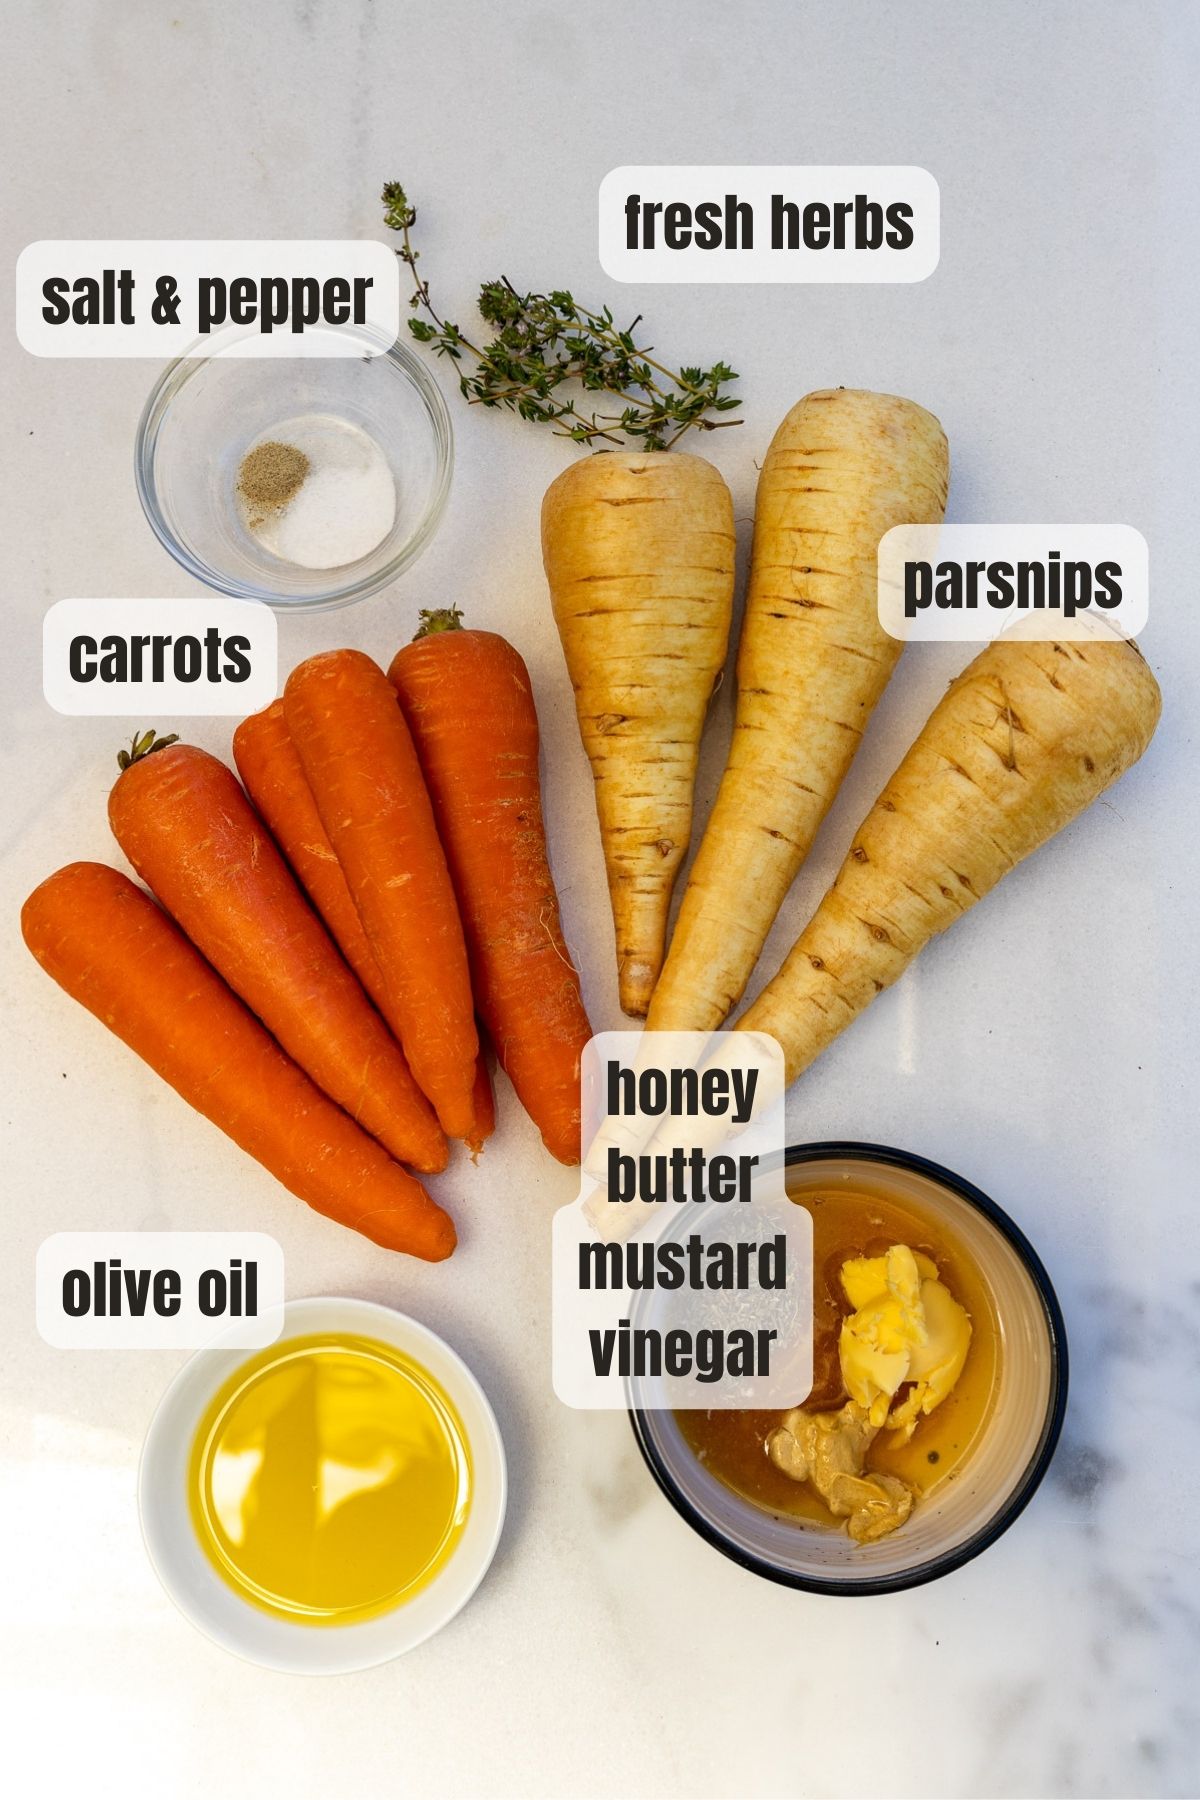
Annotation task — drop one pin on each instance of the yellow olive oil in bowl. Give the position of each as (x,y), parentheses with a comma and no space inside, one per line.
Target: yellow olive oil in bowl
(330,1479)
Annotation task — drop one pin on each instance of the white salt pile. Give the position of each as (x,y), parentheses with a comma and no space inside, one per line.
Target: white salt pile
(342,506)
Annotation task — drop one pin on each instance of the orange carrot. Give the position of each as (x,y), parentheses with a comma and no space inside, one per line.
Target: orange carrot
(469,704)
(195,840)
(104,941)
(270,767)
(483,1102)
(273,776)
(362,769)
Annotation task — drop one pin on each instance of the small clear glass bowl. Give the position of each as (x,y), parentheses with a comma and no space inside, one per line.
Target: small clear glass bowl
(1001,1471)
(205,412)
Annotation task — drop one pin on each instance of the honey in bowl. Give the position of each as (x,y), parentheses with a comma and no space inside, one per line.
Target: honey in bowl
(330,1479)
(850,1221)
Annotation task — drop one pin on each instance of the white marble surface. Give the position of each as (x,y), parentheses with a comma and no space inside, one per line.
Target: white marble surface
(1045,1048)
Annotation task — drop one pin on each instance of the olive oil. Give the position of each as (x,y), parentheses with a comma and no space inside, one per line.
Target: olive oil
(330,1479)
(860,1222)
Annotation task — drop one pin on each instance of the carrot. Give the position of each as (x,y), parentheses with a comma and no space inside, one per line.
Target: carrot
(273,776)
(195,840)
(638,550)
(467,698)
(1027,737)
(842,469)
(483,1103)
(106,943)
(358,759)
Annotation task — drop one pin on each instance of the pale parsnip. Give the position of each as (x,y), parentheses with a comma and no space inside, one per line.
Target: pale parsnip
(843,468)
(639,553)
(1026,738)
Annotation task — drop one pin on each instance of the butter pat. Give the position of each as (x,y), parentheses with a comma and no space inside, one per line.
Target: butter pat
(906,1327)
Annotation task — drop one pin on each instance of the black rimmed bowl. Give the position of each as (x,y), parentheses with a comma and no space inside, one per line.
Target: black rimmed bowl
(1000,1473)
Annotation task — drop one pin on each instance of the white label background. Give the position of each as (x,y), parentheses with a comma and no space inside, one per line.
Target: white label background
(1092,544)
(188,260)
(189,1254)
(595,1219)
(192,616)
(757,184)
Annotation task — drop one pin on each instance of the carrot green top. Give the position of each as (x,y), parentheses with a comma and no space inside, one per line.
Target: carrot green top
(145,743)
(441,618)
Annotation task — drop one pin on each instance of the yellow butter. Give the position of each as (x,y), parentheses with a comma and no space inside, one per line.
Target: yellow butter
(865,1278)
(906,1327)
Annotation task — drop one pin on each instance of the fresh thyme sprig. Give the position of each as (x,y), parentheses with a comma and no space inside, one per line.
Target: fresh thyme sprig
(542,341)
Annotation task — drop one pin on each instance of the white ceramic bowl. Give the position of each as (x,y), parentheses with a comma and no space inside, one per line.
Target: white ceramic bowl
(213,1606)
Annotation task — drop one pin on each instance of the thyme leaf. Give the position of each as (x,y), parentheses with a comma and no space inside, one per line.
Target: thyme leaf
(541,343)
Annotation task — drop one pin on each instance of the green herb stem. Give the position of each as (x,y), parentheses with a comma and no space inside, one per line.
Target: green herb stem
(542,341)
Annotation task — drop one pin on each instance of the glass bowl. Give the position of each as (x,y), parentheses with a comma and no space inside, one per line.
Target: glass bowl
(998,1476)
(205,412)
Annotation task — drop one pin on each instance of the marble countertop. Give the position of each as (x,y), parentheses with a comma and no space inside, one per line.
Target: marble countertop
(1045,1048)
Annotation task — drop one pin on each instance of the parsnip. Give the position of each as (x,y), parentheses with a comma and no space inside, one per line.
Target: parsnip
(1026,738)
(842,469)
(639,554)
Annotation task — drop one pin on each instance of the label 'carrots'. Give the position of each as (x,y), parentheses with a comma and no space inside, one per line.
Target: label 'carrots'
(111,948)
(273,775)
(193,837)
(469,704)
(362,769)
